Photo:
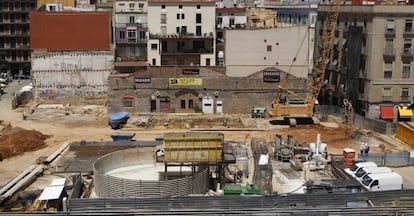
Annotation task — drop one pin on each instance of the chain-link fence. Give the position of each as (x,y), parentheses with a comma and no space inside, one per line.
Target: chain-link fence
(390,159)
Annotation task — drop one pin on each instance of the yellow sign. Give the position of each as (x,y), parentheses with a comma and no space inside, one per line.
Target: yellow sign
(185,82)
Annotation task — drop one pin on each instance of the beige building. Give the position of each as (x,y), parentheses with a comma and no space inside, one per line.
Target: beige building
(181,32)
(287,49)
(371,63)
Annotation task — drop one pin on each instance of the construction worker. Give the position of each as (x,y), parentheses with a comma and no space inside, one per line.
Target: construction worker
(25,115)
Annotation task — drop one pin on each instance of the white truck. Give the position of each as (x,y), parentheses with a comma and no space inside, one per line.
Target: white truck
(382,182)
(361,173)
(357,166)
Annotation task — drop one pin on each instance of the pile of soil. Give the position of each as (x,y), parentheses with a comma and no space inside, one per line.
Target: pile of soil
(18,141)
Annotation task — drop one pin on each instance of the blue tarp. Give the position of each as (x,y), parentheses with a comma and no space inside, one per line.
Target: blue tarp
(116,120)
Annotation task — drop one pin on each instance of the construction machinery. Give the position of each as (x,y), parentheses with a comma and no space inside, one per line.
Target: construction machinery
(282,106)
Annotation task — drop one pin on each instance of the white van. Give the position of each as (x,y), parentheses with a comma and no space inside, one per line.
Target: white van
(361,173)
(382,182)
(356,167)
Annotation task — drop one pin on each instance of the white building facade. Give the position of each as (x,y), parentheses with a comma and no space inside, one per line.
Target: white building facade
(181,32)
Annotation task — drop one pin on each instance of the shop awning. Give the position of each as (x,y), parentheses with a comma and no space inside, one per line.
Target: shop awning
(387,112)
(404,112)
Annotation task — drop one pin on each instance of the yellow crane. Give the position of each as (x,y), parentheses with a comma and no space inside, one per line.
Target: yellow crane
(283,107)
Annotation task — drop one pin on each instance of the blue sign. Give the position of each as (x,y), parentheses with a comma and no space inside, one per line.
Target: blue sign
(138,80)
(271,75)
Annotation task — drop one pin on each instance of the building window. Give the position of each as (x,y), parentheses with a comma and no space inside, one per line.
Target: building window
(405,93)
(154,61)
(388,70)
(128,103)
(163,18)
(177,29)
(406,70)
(389,46)
(163,30)
(232,22)
(386,94)
(190,104)
(154,46)
(269,48)
(198,30)
(132,36)
(121,4)
(407,46)
(408,25)
(198,18)
(121,34)
(131,19)
(180,6)
(182,16)
(390,26)
(184,30)
(178,16)
(208,61)
(162,6)
(141,5)
(182,104)
(131,6)
(198,6)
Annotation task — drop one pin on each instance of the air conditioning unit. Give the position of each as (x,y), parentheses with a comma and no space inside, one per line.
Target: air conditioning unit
(118,59)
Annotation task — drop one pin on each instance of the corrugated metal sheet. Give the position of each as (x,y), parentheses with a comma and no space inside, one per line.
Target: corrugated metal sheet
(193,147)
(59,31)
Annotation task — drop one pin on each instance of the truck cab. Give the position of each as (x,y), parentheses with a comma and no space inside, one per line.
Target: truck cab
(357,166)
(382,182)
(361,173)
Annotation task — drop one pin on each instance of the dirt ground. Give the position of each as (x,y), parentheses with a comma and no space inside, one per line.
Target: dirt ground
(55,124)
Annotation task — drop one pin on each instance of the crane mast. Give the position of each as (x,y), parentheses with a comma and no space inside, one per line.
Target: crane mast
(325,45)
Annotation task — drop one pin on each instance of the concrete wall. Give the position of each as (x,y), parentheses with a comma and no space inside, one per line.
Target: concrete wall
(67,74)
(247,53)
(239,94)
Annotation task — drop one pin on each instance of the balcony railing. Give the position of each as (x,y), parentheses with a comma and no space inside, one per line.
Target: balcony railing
(408,32)
(182,35)
(389,33)
(137,25)
(187,51)
(407,54)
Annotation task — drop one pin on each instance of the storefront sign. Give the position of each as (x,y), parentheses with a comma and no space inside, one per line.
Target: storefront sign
(185,82)
(194,71)
(271,75)
(138,80)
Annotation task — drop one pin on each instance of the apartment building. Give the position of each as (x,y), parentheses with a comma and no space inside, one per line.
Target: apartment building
(372,60)
(181,33)
(130,30)
(14,34)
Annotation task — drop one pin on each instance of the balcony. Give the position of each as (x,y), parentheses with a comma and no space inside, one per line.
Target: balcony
(132,25)
(131,41)
(181,35)
(389,33)
(407,55)
(19,59)
(186,51)
(408,32)
(389,54)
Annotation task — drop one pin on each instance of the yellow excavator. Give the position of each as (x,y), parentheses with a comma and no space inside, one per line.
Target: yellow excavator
(282,107)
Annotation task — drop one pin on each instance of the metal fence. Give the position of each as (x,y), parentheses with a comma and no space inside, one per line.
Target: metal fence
(390,159)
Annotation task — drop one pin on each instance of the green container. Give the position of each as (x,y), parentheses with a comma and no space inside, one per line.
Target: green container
(237,189)
(258,112)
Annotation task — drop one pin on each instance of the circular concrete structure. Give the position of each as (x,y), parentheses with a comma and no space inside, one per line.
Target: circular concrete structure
(134,173)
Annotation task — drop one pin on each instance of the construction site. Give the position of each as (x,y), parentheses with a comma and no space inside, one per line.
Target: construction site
(65,158)
(173,153)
